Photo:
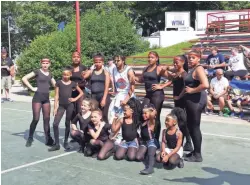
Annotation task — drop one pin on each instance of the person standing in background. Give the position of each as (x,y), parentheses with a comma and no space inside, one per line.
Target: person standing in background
(7,72)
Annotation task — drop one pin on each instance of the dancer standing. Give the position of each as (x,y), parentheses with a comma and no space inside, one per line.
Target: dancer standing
(40,99)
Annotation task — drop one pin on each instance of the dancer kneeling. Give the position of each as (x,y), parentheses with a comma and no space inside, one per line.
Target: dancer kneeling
(128,125)
(171,147)
(148,141)
(99,132)
(81,135)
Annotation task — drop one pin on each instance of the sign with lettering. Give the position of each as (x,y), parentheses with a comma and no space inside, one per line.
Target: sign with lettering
(177,19)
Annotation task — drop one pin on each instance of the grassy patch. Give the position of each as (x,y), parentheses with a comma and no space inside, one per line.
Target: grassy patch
(168,51)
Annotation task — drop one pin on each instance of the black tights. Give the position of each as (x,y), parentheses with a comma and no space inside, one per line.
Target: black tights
(77,106)
(107,150)
(121,152)
(150,159)
(36,109)
(173,160)
(79,137)
(156,98)
(93,147)
(60,111)
(98,98)
(194,105)
(184,129)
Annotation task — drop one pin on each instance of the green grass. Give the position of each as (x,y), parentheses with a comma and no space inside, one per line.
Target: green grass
(168,51)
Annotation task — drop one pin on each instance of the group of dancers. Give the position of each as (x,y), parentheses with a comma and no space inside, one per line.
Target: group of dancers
(124,127)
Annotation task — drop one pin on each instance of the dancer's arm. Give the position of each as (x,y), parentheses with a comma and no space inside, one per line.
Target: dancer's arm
(26,78)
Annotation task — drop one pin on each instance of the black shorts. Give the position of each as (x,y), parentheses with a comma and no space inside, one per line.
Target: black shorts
(41,98)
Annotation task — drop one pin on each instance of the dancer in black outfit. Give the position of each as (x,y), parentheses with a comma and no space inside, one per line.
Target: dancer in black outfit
(171,147)
(100,81)
(99,131)
(81,134)
(148,142)
(196,83)
(40,99)
(151,76)
(77,72)
(128,125)
(177,79)
(64,102)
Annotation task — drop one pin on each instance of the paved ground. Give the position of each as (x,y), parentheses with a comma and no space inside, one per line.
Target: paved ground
(226,151)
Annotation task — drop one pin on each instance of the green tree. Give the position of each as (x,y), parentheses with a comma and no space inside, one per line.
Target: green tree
(104,29)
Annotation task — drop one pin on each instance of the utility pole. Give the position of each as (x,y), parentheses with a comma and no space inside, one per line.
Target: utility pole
(78,39)
(9,36)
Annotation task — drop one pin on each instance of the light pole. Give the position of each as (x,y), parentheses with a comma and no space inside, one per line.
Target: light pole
(9,36)
(78,41)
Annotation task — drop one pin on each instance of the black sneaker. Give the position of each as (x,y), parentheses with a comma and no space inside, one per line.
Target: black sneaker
(188,147)
(189,154)
(66,145)
(94,155)
(50,142)
(147,171)
(54,148)
(194,158)
(181,164)
(29,142)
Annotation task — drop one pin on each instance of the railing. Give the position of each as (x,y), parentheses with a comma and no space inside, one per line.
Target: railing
(237,21)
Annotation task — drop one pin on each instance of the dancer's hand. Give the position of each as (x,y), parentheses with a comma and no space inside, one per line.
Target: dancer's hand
(189,90)
(163,154)
(124,102)
(103,102)
(34,89)
(176,97)
(54,112)
(72,99)
(165,159)
(156,87)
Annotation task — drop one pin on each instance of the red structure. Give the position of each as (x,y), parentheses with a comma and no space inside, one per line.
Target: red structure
(78,39)
(228,22)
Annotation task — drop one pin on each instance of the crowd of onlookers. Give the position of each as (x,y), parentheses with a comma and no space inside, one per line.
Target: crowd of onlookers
(221,70)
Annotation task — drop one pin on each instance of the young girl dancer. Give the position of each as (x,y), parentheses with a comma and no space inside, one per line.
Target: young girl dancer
(171,147)
(99,132)
(64,102)
(148,140)
(100,80)
(81,134)
(128,125)
(40,100)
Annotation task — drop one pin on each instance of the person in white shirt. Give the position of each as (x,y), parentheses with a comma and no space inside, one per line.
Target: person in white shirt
(218,91)
(110,68)
(236,63)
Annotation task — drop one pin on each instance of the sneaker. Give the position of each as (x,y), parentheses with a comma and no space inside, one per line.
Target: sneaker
(54,148)
(94,155)
(189,154)
(66,145)
(29,142)
(232,114)
(10,100)
(188,147)
(194,158)
(181,164)
(147,171)
(220,113)
(241,115)
(50,142)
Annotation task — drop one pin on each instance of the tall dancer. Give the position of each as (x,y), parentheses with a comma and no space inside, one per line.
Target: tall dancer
(77,72)
(196,83)
(40,100)
(151,76)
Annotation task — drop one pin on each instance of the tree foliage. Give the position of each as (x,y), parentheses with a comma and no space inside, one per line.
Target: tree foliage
(104,29)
